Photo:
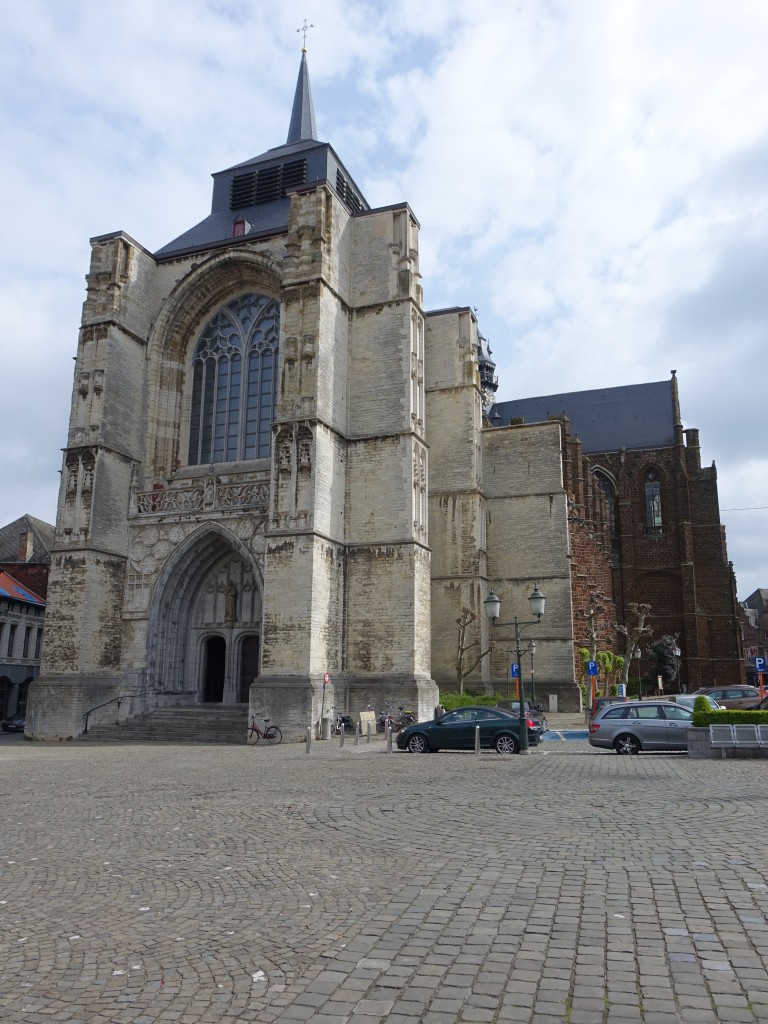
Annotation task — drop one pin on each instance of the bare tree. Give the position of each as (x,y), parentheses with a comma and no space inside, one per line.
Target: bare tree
(641,612)
(463,669)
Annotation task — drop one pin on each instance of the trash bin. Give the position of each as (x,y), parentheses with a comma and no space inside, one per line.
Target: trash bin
(325,728)
(439,710)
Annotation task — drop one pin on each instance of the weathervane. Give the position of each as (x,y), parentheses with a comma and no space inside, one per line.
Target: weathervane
(304,28)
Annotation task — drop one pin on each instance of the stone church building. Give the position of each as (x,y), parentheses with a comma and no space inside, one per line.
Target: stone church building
(281,469)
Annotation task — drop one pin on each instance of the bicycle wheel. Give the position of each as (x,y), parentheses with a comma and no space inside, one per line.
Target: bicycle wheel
(252,736)
(334,728)
(273,735)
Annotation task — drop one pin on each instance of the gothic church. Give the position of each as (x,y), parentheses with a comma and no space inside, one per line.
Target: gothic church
(284,479)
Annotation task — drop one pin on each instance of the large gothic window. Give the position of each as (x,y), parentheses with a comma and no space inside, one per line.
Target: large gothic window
(235,382)
(653,518)
(608,488)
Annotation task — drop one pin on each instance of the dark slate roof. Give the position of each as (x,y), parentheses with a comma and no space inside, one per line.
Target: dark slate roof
(12,589)
(606,419)
(42,540)
(271,217)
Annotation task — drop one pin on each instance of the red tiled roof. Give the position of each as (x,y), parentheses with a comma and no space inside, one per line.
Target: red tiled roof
(11,588)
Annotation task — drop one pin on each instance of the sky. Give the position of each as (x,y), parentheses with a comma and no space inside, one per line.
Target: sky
(591,177)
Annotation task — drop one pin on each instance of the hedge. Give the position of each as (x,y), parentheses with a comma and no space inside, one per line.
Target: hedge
(731,716)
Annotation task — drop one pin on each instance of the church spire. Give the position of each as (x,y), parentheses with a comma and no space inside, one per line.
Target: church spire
(302,127)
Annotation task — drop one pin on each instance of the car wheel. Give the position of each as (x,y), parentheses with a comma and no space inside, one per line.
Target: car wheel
(506,744)
(626,744)
(417,744)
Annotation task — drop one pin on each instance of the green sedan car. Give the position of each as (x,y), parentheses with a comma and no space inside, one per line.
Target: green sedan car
(455,730)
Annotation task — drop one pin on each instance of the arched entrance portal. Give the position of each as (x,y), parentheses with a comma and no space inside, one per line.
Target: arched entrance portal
(205,621)
(215,660)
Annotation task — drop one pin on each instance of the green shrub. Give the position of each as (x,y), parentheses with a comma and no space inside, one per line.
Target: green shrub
(701,708)
(702,719)
(451,701)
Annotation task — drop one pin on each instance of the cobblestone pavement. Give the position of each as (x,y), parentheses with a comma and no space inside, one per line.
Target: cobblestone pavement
(146,884)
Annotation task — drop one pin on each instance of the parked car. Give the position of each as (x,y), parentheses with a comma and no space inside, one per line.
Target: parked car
(13,724)
(731,696)
(534,711)
(601,702)
(687,700)
(456,731)
(641,725)
(760,705)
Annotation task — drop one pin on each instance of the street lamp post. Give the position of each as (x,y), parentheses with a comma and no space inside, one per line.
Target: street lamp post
(636,656)
(532,652)
(677,652)
(537,602)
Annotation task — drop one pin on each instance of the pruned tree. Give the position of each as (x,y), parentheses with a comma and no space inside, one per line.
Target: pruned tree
(666,662)
(465,650)
(633,633)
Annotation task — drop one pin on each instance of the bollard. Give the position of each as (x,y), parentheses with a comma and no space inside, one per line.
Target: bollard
(341,740)
(368,725)
(477,739)
(389,738)
(309,739)
(357,735)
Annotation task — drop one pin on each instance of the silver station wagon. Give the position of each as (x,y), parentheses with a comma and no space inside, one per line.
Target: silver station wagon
(641,725)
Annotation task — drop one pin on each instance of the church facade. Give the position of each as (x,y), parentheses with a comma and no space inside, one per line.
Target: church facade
(281,486)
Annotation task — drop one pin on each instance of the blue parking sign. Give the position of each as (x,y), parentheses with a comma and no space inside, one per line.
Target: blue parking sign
(515,668)
(759,664)
(591,668)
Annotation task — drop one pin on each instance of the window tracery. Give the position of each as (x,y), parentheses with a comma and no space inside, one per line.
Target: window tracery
(235,382)
(653,517)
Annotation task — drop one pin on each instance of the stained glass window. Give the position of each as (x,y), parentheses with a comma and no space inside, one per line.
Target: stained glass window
(653,502)
(235,382)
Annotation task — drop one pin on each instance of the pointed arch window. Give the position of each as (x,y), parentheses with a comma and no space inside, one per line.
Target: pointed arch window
(235,382)
(653,519)
(608,488)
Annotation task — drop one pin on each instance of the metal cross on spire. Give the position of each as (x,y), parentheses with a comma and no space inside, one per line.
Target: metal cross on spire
(304,29)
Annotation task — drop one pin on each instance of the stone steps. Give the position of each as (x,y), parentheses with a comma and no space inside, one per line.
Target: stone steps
(201,724)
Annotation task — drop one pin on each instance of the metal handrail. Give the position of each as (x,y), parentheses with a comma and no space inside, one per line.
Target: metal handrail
(122,697)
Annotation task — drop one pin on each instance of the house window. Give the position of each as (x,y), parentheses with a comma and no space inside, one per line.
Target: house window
(235,382)
(653,519)
(38,642)
(25,646)
(11,640)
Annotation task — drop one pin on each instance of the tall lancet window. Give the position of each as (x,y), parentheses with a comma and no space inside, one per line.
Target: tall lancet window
(235,382)
(653,502)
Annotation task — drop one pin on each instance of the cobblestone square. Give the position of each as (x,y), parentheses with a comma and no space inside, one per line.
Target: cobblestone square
(152,884)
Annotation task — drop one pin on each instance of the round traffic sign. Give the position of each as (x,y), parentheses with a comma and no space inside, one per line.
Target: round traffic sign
(326,678)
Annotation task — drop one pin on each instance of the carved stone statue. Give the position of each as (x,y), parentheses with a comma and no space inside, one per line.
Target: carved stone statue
(230,602)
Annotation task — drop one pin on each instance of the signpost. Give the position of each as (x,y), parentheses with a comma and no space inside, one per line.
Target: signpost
(760,668)
(592,673)
(325,723)
(515,670)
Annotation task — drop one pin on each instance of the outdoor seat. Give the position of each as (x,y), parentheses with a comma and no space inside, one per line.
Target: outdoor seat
(746,736)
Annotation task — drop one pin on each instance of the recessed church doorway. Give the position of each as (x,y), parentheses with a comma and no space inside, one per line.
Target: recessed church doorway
(249,666)
(215,663)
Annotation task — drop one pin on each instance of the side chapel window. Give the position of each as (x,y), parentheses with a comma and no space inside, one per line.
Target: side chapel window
(235,382)
(653,502)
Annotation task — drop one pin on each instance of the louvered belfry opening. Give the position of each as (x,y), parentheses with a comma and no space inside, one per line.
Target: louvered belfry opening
(266,184)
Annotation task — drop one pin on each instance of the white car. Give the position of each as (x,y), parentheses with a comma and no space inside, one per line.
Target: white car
(687,700)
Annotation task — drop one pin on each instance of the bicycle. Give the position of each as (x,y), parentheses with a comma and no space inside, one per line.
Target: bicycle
(406,717)
(271,733)
(339,720)
(386,718)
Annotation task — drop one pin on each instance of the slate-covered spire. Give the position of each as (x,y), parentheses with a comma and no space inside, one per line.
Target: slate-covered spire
(302,128)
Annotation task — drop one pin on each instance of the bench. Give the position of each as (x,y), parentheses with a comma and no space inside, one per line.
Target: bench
(733,737)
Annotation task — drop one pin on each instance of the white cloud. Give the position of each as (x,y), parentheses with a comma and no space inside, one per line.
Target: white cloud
(591,176)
